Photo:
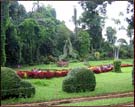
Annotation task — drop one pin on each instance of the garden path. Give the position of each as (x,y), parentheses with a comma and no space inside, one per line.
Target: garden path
(79,99)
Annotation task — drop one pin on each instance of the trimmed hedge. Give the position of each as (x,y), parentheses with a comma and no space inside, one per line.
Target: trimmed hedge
(11,84)
(79,79)
(117,65)
(26,89)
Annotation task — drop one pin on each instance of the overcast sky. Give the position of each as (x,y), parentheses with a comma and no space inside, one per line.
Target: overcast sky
(64,10)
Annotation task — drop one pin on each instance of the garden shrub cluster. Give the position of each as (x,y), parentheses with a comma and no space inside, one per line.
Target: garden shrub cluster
(13,86)
(78,80)
(117,65)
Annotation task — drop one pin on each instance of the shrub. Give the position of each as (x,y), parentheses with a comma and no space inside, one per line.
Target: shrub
(26,89)
(79,79)
(69,84)
(10,83)
(117,65)
(97,55)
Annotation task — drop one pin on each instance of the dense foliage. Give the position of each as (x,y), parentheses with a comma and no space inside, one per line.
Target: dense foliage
(117,65)
(36,37)
(79,79)
(13,86)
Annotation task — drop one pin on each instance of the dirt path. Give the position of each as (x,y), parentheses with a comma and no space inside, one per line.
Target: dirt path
(79,99)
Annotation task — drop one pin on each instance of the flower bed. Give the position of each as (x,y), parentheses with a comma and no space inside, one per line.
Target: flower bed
(126,65)
(101,69)
(42,74)
(62,73)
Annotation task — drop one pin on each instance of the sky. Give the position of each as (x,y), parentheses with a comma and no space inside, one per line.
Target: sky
(65,11)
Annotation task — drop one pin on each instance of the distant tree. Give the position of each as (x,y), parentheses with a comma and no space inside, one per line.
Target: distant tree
(110,33)
(111,38)
(122,41)
(93,21)
(17,12)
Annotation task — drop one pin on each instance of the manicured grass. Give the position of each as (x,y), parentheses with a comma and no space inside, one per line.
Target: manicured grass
(74,64)
(50,89)
(102,102)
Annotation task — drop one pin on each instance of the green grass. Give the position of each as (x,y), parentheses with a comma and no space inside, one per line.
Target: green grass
(102,102)
(51,89)
(74,64)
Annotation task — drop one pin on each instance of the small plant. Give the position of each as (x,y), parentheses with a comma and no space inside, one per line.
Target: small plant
(117,65)
(97,55)
(79,79)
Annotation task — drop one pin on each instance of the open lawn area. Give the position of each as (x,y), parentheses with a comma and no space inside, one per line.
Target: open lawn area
(51,89)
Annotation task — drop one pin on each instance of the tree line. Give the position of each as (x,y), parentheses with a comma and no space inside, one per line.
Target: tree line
(37,36)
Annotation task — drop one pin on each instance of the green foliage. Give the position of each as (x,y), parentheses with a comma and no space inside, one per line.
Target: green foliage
(110,33)
(17,12)
(117,65)
(84,44)
(79,79)
(92,20)
(9,82)
(4,24)
(13,46)
(97,55)
(44,60)
(26,89)
(13,86)
(29,33)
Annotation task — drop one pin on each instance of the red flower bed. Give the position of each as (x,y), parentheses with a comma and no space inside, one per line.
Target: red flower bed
(62,73)
(43,74)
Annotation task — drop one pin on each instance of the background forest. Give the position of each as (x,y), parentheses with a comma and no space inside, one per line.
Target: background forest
(36,37)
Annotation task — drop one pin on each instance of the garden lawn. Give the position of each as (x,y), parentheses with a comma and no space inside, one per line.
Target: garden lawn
(74,64)
(102,102)
(51,89)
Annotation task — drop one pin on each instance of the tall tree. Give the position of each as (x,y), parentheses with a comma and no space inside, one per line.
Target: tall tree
(110,33)
(93,21)
(13,53)
(29,33)
(84,44)
(4,25)
(74,18)
(111,38)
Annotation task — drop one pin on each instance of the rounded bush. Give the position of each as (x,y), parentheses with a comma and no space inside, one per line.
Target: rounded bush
(11,84)
(117,66)
(69,84)
(26,89)
(79,79)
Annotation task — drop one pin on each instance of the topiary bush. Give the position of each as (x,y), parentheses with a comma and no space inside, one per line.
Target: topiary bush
(79,79)
(11,84)
(117,65)
(26,89)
